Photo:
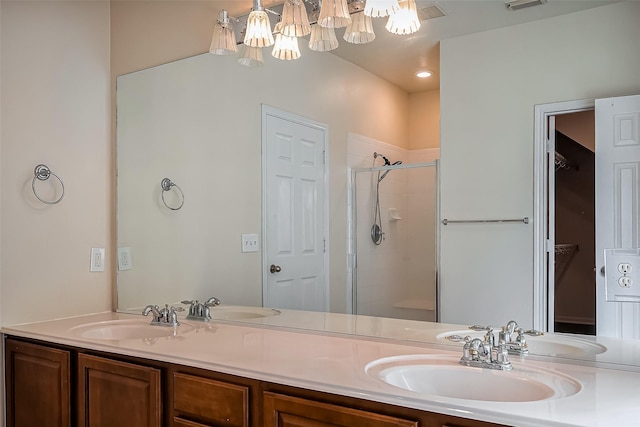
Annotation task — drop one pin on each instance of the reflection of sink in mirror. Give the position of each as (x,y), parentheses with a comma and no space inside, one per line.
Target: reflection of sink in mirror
(443,376)
(241,313)
(544,345)
(128,329)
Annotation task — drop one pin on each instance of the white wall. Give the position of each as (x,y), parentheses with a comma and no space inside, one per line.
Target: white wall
(487,163)
(55,110)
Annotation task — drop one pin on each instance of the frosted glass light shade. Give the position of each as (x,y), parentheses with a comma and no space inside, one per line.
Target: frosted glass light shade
(251,56)
(285,47)
(323,39)
(258,30)
(360,30)
(223,41)
(334,14)
(405,20)
(381,8)
(295,21)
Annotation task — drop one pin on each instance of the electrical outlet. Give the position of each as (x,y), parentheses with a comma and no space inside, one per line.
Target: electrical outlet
(625,282)
(124,259)
(97,259)
(624,268)
(622,280)
(250,243)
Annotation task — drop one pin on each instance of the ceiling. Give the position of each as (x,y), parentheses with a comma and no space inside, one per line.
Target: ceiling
(398,58)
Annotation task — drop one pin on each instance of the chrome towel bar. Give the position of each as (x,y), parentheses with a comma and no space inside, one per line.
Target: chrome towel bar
(524,220)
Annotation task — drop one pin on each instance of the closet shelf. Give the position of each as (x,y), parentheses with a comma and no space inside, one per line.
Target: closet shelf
(565,249)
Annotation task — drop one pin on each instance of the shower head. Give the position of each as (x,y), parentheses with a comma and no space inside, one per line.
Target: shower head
(397,162)
(386,161)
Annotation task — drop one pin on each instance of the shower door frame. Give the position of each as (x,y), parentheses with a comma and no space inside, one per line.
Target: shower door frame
(352,230)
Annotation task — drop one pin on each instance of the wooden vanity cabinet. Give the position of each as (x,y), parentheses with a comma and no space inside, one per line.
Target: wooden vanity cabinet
(115,393)
(38,391)
(62,386)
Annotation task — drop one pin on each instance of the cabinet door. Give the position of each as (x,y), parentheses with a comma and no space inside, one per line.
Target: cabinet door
(287,411)
(37,385)
(210,401)
(113,393)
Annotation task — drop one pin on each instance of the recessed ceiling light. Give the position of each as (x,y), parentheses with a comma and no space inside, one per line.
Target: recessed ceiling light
(423,74)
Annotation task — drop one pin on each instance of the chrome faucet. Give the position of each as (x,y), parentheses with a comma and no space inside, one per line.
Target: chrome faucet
(201,311)
(485,353)
(165,316)
(514,338)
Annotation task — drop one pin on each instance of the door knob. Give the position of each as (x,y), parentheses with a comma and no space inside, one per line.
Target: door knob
(275,268)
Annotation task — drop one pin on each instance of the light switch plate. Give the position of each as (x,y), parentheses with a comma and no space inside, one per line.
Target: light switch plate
(97,259)
(124,259)
(250,243)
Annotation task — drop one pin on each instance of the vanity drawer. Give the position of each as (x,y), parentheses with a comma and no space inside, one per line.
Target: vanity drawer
(209,400)
(288,411)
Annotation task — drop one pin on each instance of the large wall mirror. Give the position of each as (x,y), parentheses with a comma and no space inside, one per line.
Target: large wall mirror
(185,122)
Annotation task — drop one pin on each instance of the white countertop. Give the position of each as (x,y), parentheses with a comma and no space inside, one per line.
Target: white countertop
(335,363)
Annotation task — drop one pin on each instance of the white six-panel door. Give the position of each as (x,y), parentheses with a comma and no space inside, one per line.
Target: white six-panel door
(617,206)
(294,218)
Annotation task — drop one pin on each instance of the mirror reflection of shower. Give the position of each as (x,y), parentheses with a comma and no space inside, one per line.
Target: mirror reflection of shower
(377,235)
(396,278)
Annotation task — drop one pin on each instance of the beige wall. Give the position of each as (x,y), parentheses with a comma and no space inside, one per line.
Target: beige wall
(580,127)
(149,33)
(55,110)
(424,120)
(487,163)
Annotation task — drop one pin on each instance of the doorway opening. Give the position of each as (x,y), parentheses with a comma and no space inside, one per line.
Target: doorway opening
(617,191)
(564,225)
(574,281)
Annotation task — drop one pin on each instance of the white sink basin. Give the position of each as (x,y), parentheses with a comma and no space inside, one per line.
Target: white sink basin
(443,376)
(128,329)
(222,312)
(544,345)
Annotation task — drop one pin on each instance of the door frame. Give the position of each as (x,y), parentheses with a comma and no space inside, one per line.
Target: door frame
(542,298)
(267,110)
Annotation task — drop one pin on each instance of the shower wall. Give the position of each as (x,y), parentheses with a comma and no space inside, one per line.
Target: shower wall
(396,278)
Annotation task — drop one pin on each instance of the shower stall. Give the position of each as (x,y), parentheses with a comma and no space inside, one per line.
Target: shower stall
(393,239)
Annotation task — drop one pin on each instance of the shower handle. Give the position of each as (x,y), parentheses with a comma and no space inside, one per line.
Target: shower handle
(275,268)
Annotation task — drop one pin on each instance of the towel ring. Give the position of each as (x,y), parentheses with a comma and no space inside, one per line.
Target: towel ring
(43,173)
(166,185)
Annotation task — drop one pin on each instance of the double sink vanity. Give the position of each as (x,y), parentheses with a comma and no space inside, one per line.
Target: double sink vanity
(298,368)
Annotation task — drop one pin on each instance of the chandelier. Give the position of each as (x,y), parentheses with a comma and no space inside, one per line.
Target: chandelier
(317,18)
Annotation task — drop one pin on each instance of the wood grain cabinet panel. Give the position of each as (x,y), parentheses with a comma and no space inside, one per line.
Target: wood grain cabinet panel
(113,393)
(288,411)
(216,402)
(179,422)
(37,385)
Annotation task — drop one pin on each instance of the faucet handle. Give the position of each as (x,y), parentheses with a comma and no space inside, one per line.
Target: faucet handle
(458,338)
(187,302)
(481,328)
(212,302)
(530,332)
